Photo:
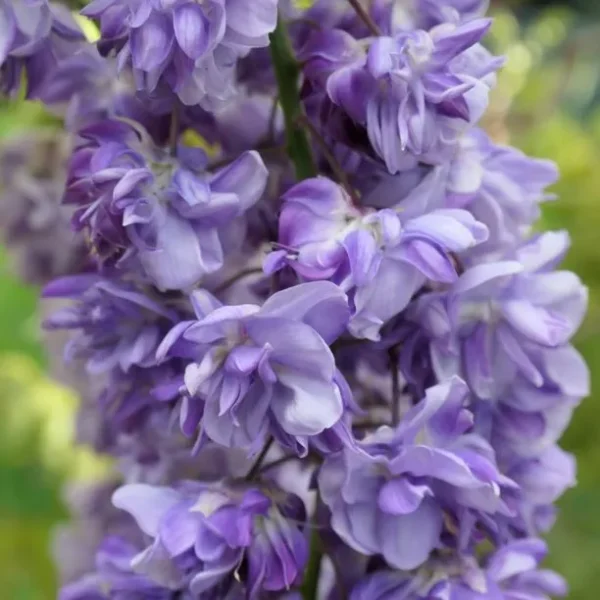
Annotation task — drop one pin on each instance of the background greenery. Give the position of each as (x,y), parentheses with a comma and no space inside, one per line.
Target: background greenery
(547,103)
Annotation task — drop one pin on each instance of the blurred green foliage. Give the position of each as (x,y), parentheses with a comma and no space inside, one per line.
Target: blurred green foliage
(547,103)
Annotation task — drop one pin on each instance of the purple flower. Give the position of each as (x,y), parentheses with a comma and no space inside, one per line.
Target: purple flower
(388,497)
(432,12)
(531,416)
(502,319)
(257,370)
(33,224)
(187,48)
(35,35)
(93,517)
(542,480)
(501,187)
(165,215)
(323,236)
(511,572)
(117,325)
(207,530)
(116,579)
(85,88)
(416,92)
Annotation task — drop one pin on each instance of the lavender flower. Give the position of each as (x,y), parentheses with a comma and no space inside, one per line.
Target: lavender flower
(501,187)
(504,319)
(323,236)
(432,13)
(118,325)
(205,532)
(166,215)
(415,93)
(511,572)
(388,498)
(115,577)
(265,368)
(86,88)
(35,35)
(187,48)
(542,480)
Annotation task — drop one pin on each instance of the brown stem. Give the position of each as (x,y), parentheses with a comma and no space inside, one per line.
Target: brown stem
(254,470)
(278,462)
(365,16)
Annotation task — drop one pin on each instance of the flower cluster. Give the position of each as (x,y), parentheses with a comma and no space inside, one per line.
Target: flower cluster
(305,305)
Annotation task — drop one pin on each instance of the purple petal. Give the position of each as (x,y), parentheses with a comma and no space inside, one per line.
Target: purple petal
(407,540)
(147,504)
(152,43)
(399,497)
(191,29)
(178,528)
(305,405)
(321,305)
(536,323)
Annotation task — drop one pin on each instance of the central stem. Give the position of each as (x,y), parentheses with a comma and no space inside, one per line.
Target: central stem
(287,73)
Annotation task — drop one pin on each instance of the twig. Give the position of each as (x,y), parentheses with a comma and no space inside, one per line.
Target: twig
(331,159)
(278,462)
(365,17)
(254,470)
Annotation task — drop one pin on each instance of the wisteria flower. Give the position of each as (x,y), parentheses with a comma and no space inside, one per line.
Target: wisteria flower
(415,92)
(501,319)
(86,88)
(388,498)
(188,48)
(513,571)
(369,253)
(167,214)
(205,531)
(117,325)
(259,369)
(35,36)
(501,187)
(116,578)
(542,478)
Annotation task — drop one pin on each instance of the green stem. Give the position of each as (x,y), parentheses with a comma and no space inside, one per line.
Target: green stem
(313,569)
(287,73)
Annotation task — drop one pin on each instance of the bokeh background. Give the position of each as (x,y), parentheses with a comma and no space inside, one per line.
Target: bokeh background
(547,103)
